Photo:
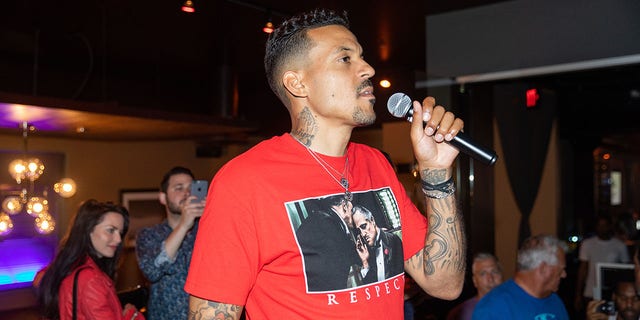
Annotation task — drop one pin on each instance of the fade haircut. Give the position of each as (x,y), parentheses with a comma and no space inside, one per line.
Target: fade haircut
(538,249)
(289,41)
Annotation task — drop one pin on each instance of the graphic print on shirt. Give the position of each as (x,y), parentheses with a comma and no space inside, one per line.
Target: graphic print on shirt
(346,244)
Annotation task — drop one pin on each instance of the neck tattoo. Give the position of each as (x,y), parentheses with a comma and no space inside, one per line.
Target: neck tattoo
(344,176)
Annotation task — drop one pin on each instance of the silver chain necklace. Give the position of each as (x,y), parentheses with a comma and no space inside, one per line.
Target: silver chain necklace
(343,181)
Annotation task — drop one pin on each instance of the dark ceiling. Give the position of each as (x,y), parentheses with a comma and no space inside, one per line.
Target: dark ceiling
(148,57)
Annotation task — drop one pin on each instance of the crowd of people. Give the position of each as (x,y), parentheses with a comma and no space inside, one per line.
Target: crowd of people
(310,224)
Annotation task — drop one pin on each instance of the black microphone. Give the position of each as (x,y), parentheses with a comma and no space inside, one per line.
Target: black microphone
(400,105)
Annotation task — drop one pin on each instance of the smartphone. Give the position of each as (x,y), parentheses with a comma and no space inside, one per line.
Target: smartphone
(199,189)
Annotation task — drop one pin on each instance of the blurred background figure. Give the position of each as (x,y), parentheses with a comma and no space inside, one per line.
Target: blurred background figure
(486,274)
(602,247)
(624,304)
(79,281)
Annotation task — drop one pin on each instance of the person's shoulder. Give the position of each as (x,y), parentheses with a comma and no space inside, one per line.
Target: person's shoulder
(361,148)
(151,234)
(154,229)
(317,218)
(618,241)
(590,240)
(391,235)
(90,273)
(263,152)
(368,154)
(500,290)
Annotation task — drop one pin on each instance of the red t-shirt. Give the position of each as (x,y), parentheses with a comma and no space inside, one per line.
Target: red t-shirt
(248,251)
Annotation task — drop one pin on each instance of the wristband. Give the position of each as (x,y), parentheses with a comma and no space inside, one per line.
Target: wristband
(440,190)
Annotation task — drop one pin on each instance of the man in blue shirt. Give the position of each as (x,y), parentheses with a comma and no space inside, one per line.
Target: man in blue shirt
(531,292)
(164,250)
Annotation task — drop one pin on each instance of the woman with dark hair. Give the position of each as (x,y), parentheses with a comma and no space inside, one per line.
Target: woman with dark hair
(87,260)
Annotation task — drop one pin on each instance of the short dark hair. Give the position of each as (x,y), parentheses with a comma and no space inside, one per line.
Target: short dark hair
(164,184)
(334,200)
(290,39)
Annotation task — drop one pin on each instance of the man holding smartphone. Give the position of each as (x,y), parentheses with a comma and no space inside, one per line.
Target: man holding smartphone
(164,250)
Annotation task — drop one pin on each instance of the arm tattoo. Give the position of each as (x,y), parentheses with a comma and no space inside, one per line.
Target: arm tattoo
(307,127)
(205,309)
(445,245)
(432,176)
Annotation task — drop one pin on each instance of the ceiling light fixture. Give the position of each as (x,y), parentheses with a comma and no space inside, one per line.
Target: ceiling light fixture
(268,27)
(25,171)
(188,7)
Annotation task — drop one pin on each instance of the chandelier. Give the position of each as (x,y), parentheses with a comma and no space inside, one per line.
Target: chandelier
(25,171)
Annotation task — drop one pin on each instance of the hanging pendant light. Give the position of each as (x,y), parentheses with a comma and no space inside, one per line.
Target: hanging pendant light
(268,27)
(12,205)
(66,187)
(37,205)
(6,225)
(188,7)
(18,170)
(26,171)
(45,223)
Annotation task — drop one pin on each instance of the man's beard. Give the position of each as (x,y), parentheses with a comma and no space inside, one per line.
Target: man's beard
(174,208)
(364,119)
(629,313)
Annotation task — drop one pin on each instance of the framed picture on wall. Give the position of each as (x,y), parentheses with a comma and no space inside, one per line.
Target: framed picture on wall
(144,210)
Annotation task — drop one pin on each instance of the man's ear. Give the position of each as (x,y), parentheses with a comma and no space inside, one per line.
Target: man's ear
(162,197)
(293,83)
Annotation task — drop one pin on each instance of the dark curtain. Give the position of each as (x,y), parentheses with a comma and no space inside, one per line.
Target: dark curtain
(525,134)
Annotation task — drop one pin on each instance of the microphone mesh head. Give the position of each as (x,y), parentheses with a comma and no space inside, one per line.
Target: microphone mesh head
(399,104)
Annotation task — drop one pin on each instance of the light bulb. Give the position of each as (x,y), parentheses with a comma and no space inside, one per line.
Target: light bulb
(66,187)
(45,223)
(6,225)
(37,205)
(188,7)
(12,205)
(35,168)
(268,27)
(18,169)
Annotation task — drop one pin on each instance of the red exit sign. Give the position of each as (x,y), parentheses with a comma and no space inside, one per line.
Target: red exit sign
(532,97)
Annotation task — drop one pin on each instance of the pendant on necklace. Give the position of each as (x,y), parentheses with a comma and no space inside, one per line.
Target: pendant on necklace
(344,182)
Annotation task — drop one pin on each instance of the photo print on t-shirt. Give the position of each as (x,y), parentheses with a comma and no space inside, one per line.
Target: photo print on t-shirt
(346,244)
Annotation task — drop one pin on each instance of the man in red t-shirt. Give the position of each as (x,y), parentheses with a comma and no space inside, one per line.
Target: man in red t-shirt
(250,252)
